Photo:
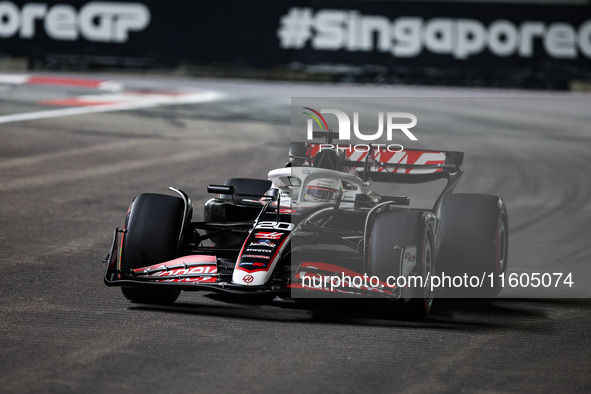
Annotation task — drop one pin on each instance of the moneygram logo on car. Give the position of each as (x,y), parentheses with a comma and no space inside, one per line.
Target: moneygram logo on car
(95,21)
(394,122)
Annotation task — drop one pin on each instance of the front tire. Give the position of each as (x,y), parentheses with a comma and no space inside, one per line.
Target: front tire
(151,235)
(421,303)
(392,233)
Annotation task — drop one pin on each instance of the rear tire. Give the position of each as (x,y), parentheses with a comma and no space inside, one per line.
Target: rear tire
(475,241)
(152,229)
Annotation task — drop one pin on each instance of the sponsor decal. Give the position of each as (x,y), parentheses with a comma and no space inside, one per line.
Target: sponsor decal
(188,271)
(255,256)
(263,242)
(207,270)
(267,245)
(256,264)
(252,266)
(409,258)
(410,36)
(269,225)
(95,21)
(268,235)
(248,278)
(260,250)
(410,255)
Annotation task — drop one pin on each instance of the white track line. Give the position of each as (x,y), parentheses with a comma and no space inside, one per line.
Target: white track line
(201,97)
(13,79)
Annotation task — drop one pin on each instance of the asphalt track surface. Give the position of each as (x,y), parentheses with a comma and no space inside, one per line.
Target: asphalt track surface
(66,182)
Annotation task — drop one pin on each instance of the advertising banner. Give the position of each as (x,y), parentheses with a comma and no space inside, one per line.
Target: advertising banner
(384,38)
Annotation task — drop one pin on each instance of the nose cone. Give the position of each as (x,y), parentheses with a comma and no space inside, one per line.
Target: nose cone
(246,278)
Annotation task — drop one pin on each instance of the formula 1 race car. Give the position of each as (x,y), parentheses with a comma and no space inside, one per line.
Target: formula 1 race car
(315,228)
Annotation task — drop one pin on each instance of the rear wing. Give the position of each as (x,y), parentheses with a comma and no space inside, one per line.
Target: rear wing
(378,162)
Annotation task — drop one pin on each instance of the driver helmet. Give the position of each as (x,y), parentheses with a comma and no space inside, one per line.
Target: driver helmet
(323,190)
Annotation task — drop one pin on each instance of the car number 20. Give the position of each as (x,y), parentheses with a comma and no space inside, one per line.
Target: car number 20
(275,226)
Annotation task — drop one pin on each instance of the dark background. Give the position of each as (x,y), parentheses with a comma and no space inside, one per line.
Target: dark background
(238,35)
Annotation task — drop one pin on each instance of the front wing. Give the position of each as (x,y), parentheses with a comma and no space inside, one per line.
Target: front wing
(205,272)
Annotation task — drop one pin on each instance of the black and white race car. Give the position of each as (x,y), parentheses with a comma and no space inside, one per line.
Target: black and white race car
(315,228)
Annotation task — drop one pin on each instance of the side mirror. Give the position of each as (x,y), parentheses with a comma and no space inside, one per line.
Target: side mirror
(298,154)
(221,189)
(396,200)
(363,201)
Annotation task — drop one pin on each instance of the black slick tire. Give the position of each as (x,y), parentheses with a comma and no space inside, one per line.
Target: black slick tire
(152,229)
(474,242)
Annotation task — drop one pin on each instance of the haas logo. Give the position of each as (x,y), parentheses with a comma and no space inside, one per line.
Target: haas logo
(268,235)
